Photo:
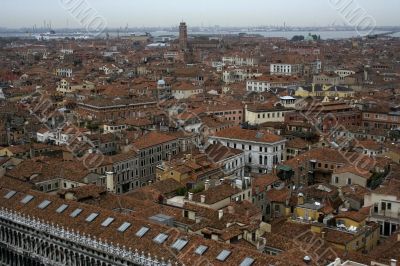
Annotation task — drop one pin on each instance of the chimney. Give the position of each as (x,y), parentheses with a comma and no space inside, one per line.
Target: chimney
(110,181)
(337,262)
(220,214)
(323,234)
(393,262)
(300,199)
(190,196)
(202,198)
(207,185)
(307,259)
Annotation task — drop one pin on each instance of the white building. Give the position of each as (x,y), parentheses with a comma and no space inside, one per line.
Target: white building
(185,90)
(385,210)
(232,161)
(258,114)
(239,61)
(111,69)
(217,65)
(67,135)
(43,135)
(114,127)
(344,72)
(239,74)
(63,72)
(265,83)
(288,101)
(71,86)
(67,51)
(286,69)
(262,150)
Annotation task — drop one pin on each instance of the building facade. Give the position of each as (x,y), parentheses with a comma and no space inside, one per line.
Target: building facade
(262,149)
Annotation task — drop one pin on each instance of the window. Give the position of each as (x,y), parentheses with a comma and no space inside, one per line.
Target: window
(247,262)
(223,255)
(107,221)
(160,238)
(383,206)
(389,206)
(62,208)
(179,244)
(44,204)
(336,179)
(76,212)
(201,249)
(142,231)
(91,217)
(124,227)
(348,181)
(376,207)
(27,199)
(10,194)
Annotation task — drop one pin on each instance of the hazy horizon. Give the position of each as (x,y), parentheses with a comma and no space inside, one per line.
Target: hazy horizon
(162,13)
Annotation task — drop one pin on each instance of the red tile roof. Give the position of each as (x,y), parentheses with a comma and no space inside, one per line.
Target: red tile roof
(152,139)
(249,135)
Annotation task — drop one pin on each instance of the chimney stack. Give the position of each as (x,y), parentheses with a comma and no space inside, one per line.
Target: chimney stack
(393,262)
(110,181)
(300,199)
(337,262)
(207,184)
(202,198)
(190,196)
(220,214)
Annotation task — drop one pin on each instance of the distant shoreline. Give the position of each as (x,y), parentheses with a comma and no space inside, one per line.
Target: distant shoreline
(273,34)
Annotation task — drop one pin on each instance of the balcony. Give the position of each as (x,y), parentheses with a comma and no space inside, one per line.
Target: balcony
(385,215)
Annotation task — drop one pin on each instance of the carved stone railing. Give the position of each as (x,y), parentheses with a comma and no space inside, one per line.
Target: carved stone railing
(88,241)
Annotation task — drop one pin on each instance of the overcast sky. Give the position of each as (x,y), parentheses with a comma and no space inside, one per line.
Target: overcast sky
(19,13)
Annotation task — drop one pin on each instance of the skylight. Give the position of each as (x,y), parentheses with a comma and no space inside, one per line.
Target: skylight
(200,250)
(123,227)
(142,231)
(247,262)
(27,199)
(223,255)
(62,208)
(44,204)
(179,244)
(107,221)
(10,194)
(160,238)
(76,212)
(91,217)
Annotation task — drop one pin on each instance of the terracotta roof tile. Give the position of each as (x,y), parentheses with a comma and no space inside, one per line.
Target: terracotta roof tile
(250,135)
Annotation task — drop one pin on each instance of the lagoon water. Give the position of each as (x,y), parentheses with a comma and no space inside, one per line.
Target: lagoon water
(284,34)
